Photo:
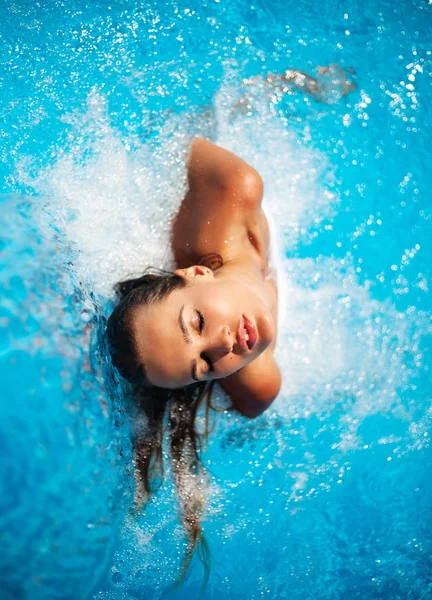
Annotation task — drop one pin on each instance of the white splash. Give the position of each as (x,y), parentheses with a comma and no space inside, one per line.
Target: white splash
(115,204)
(115,198)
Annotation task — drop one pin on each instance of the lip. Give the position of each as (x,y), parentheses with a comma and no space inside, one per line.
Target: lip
(246,326)
(251,331)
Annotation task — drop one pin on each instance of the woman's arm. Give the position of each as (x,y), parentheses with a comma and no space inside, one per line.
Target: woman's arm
(211,167)
(221,206)
(253,388)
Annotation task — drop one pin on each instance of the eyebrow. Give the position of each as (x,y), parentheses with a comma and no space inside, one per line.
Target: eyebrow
(185,332)
(188,340)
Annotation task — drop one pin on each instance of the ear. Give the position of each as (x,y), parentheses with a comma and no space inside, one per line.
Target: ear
(195,271)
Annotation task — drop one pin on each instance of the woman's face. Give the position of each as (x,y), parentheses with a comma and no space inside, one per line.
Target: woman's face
(208,330)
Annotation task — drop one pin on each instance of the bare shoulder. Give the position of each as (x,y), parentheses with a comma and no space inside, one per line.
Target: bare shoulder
(253,388)
(221,206)
(214,166)
(218,176)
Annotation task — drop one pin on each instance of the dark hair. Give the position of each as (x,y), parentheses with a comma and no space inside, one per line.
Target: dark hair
(183,404)
(150,288)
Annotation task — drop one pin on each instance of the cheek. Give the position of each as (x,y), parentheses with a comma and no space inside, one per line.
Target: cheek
(218,307)
(230,364)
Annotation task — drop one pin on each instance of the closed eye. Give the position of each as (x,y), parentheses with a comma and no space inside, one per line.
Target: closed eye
(201,325)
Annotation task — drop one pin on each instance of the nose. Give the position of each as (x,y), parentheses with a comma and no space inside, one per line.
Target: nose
(221,344)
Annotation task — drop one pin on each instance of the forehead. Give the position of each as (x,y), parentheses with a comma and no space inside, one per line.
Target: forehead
(161,345)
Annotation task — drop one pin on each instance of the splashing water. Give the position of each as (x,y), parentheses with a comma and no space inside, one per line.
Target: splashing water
(327,493)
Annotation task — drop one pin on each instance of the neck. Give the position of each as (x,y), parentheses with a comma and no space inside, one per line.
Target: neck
(248,272)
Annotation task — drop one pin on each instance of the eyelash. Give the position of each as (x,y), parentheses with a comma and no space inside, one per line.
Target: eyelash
(200,330)
(201,322)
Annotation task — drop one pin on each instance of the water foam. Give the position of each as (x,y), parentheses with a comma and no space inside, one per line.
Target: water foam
(115,197)
(340,350)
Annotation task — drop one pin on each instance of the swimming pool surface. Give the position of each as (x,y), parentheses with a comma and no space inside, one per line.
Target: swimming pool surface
(328,494)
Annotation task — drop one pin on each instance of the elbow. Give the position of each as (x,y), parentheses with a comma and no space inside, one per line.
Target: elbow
(253,184)
(252,407)
(247,185)
(252,395)
(252,412)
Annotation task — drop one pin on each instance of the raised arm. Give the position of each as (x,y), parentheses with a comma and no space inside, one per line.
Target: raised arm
(211,166)
(253,388)
(221,207)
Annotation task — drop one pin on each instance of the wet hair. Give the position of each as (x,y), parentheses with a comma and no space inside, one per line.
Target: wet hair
(150,288)
(153,403)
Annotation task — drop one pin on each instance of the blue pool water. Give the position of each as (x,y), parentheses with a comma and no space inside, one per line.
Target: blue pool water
(328,494)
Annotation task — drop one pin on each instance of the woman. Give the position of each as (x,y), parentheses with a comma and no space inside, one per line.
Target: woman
(204,324)
(215,318)
(213,324)
(173,335)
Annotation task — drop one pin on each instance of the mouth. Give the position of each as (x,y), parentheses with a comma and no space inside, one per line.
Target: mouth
(247,334)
